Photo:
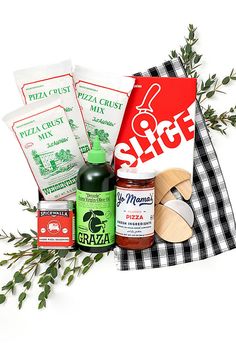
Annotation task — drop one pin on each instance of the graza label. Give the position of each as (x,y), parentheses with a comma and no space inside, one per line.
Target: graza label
(134,212)
(95,218)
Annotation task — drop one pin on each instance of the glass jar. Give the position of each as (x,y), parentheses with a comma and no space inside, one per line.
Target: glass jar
(135,208)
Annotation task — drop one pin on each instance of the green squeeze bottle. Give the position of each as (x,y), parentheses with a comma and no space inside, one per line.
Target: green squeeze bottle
(95,203)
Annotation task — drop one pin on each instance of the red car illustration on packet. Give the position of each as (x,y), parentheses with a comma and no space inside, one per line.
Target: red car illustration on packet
(158,126)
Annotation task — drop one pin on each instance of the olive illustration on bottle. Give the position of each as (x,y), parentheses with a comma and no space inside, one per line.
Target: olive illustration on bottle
(94,222)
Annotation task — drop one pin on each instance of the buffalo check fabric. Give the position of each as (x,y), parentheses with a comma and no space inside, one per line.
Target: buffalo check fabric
(214,228)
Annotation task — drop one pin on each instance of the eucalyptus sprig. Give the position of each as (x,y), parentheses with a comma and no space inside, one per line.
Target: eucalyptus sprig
(218,121)
(190,58)
(39,266)
(206,88)
(28,206)
(212,86)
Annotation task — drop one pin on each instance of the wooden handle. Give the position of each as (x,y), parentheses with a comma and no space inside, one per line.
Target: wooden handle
(185,189)
(168,179)
(170,226)
(169,196)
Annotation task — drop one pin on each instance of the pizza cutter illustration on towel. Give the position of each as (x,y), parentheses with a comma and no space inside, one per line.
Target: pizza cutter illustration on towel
(144,119)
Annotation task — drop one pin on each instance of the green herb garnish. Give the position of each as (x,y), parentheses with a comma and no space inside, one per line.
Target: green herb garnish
(42,267)
(207,89)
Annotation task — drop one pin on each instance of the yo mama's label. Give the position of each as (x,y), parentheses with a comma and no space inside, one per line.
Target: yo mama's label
(95,218)
(134,212)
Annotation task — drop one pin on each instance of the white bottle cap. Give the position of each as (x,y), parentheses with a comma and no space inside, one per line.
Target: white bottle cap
(136,173)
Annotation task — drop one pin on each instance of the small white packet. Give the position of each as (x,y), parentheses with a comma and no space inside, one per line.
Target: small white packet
(43,81)
(103,99)
(46,139)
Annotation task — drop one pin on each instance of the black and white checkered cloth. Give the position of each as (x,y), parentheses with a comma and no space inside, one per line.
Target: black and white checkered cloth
(214,226)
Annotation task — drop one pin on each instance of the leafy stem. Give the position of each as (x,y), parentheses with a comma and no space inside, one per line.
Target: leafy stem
(220,122)
(56,265)
(28,206)
(212,86)
(206,89)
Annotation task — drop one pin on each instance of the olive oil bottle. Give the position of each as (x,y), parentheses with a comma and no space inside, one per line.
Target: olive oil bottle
(95,203)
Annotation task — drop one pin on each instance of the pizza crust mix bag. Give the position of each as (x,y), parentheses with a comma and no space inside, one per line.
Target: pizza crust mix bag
(43,81)
(46,139)
(103,99)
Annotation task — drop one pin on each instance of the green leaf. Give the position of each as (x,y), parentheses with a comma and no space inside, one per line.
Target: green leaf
(2,298)
(22,297)
(9,285)
(23,202)
(45,256)
(188,48)
(29,260)
(19,277)
(191,35)
(12,238)
(42,304)
(208,83)
(47,290)
(98,257)
(86,260)
(3,262)
(62,253)
(45,279)
(197,58)
(87,216)
(34,243)
(210,94)
(226,80)
(70,279)
(85,269)
(173,54)
(27,285)
(54,272)
(25,235)
(41,296)
(48,270)
(23,241)
(31,209)
(67,270)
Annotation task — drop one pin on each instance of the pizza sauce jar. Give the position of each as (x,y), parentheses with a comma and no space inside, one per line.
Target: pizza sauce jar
(135,208)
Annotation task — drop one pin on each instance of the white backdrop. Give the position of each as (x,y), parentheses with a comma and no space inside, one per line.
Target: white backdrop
(183,309)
